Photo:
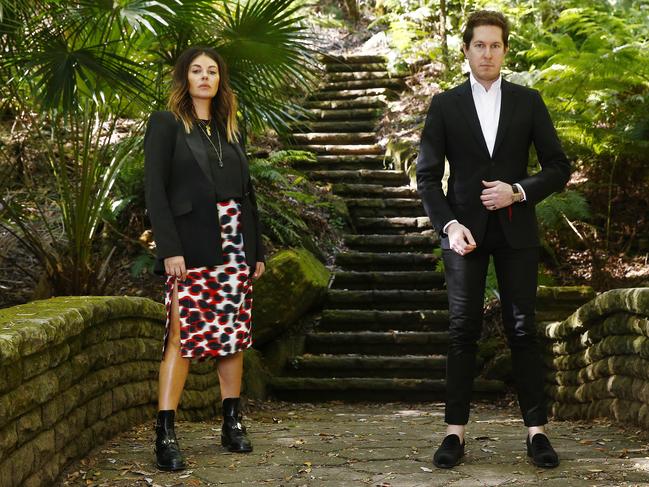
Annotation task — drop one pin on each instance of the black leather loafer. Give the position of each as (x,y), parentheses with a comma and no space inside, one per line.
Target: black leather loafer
(541,452)
(450,452)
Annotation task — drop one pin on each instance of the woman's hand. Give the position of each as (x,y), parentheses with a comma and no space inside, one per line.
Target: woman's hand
(259,270)
(175,266)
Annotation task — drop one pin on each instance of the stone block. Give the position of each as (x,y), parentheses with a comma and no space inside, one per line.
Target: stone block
(48,359)
(294,282)
(29,395)
(8,440)
(53,411)
(6,471)
(71,372)
(28,425)
(255,375)
(22,462)
(10,376)
(43,446)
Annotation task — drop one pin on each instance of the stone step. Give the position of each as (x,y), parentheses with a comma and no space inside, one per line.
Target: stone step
(378,343)
(334,138)
(358,75)
(391,83)
(360,102)
(373,190)
(390,207)
(383,177)
(388,280)
(390,299)
(383,320)
(357,149)
(342,162)
(392,243)
(353,59)
(353,114)
(339,67)
(334,126)
(353,94)
(392,225)
(391,261)
(311,389)
(353,365)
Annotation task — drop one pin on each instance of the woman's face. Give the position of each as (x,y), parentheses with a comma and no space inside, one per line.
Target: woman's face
(203,77)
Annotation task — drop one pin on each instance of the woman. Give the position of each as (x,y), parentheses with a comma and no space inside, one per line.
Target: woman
(208,241)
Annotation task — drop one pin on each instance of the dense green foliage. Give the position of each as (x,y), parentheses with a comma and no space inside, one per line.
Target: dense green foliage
(593,68)
(590,61)
(73,69)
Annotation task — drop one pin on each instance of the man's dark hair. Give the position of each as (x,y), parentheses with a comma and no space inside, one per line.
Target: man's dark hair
(485,17)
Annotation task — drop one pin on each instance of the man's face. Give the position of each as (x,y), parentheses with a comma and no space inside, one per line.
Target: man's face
(486,52)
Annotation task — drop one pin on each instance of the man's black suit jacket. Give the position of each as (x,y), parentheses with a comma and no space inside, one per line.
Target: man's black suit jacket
(181,200)
(452,131)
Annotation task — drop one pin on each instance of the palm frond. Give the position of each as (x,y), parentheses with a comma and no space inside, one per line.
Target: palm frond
(270,58)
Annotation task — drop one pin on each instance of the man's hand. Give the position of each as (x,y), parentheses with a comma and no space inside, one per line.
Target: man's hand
(496,195)
(175,266)
(460,238)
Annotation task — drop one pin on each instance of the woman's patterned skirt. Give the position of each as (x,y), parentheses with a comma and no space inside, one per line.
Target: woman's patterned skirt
(215,303)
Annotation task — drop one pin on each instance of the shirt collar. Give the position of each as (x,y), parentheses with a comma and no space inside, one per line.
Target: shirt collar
(474,82)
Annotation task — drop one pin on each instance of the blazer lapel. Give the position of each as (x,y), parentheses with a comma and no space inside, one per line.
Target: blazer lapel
(196,145)
(467,107)
(507,105)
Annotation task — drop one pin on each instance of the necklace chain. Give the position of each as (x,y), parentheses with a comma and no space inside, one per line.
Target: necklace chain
(207,131)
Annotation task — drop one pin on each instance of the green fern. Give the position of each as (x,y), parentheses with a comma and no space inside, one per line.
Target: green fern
(554,212)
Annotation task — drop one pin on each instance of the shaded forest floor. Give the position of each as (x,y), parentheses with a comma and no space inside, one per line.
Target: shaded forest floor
(391,444)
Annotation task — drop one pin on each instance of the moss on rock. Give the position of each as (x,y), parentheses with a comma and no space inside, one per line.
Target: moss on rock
(598,358)
(294,282)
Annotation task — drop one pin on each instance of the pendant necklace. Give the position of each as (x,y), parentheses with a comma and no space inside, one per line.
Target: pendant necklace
(207,130)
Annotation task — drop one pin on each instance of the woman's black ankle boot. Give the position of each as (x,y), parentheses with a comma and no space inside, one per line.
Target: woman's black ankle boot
(233,433)
(167,451)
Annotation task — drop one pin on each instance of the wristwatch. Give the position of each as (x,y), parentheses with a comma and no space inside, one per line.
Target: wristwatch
(517,196)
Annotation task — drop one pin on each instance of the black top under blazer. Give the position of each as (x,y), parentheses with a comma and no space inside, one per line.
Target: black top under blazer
(181,200)
(452,131)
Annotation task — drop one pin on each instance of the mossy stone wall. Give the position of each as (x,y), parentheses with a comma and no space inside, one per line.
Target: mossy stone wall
(598,359)
(552,303)
(74,371)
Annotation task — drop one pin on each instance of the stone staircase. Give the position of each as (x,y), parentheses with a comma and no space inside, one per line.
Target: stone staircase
(383,331)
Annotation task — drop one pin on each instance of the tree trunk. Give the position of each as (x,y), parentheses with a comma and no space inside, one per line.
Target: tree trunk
(442,33)
(351,8)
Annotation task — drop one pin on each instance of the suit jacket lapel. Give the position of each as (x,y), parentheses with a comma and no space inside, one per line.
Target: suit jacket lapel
(507,105)
(467,107)
(196,145)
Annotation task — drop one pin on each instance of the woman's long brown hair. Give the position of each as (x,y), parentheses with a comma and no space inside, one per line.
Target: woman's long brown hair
(224,104)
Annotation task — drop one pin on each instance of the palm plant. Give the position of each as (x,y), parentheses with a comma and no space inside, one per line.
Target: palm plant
(75,68)
(61,227)
(267,50)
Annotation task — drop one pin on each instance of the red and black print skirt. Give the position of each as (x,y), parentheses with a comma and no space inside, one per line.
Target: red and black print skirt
(215,303)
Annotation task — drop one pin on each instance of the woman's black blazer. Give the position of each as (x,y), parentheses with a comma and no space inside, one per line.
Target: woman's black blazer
(181,200)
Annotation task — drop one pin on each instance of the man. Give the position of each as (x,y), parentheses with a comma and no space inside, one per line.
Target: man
(484,128)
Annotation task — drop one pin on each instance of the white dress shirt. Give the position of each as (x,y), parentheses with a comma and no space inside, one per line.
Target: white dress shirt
(487,104)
